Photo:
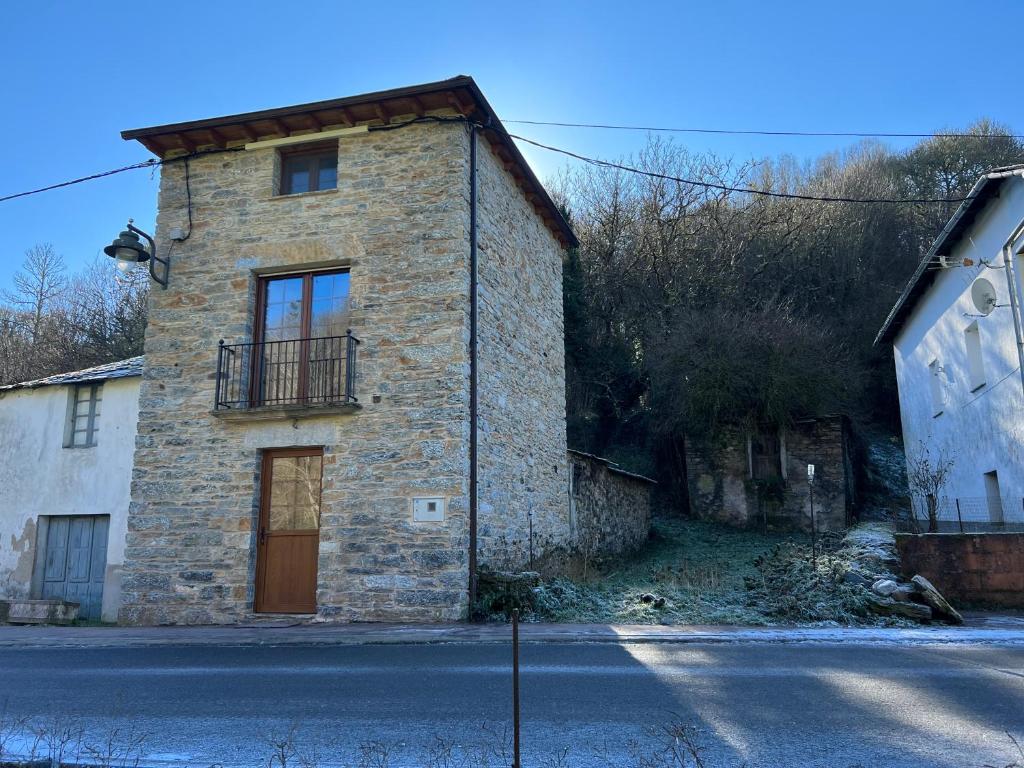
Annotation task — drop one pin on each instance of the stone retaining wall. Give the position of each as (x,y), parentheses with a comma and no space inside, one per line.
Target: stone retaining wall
(721,486)
(974,569)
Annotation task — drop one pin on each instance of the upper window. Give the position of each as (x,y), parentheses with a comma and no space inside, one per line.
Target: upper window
(975,362)
(309,170)
(84,415)
(935,385)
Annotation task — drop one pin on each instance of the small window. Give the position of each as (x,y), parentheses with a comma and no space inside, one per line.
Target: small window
(935,384)
(766,456)
(975,363)
(309,170)
(83,416)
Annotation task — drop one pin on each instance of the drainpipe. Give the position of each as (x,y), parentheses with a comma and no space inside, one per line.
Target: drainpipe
(1013,287)
(472,367)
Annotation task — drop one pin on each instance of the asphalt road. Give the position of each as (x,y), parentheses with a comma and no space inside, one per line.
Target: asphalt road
(752,704)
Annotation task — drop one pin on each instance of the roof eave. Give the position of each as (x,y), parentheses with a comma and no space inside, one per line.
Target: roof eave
(186,137)
(977,198)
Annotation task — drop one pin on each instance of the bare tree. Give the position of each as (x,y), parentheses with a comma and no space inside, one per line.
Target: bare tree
(928,472)
(37,285)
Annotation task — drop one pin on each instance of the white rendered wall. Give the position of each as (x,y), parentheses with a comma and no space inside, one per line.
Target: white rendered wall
(982,430)
(38,476)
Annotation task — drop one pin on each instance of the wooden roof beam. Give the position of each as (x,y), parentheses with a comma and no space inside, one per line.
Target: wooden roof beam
(248,132)
(347,117)
(417,106)
(187,144)
(217,138)
(382,113)
(317,124)
(280,127)
(457,104)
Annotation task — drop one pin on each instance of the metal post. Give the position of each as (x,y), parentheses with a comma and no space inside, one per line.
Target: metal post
(959,517)
(814,528)
(515,688)
(220,373)
(1015,312)
(529,515)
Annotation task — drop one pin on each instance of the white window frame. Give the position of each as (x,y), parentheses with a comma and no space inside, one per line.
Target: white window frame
(938,394)
(975,358)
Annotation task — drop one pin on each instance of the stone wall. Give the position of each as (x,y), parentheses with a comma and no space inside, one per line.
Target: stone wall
(396,223)
(979,569)
(523,468)
(610,509)
(722,488)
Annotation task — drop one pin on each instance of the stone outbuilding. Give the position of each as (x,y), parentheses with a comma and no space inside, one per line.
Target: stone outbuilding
(760,479)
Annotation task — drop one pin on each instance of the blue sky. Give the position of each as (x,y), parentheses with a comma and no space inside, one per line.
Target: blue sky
(77,73)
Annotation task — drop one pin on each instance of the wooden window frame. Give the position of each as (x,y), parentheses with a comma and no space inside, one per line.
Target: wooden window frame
(312,156)
(259,326)
(91,428)
(307,297)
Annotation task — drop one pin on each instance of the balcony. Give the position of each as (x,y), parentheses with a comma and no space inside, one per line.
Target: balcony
(286,379)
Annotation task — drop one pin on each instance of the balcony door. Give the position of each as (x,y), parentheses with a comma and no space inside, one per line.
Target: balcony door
(289,531)
(301,330)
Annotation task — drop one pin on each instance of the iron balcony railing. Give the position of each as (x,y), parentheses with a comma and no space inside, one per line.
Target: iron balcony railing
(315,371)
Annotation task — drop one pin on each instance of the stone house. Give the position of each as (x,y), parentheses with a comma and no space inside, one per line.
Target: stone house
(353,392)
(759,479)
(66,449)
(956,338)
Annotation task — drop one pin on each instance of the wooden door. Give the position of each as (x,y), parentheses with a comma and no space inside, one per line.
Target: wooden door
(288,541)
(76,561)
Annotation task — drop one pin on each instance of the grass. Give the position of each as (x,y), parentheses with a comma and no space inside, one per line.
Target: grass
(691,572)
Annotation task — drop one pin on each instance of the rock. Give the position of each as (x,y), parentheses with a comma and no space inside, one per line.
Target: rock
(647,598)
(884,587)
(659,602)
(903,593)
(42,612)
(856,577)
(936,601)
(886,606)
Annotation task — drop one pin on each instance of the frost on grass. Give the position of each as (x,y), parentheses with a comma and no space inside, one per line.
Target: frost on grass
(695,572)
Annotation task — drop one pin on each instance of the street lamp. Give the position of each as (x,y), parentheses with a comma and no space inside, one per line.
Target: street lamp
(128,251)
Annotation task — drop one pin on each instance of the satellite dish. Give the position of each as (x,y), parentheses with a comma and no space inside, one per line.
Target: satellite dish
(983,294)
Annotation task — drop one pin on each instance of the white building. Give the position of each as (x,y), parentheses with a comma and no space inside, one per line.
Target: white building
(65,473)
(958,356)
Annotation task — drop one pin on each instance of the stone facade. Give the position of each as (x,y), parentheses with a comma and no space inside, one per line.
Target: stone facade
(610,509)
(721,484)
(523,468)
(399,222)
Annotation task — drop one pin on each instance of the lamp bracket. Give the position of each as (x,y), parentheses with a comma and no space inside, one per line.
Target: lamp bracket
(154,258)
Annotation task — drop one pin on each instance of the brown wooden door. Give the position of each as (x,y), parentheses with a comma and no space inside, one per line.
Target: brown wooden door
(289,531)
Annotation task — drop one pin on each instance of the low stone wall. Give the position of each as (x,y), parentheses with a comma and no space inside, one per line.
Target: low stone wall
(979,569)
(609,508)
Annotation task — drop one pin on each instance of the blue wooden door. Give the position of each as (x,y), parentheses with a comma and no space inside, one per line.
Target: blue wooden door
(76,561)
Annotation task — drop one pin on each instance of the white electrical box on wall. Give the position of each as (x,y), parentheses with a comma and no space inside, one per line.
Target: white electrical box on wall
(428,509)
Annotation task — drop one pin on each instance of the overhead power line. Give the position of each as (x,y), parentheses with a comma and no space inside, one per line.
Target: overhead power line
(729,131)
(145,164)
(590,160)
(743,190)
